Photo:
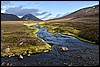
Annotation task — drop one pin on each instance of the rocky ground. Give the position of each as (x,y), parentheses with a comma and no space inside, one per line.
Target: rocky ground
(66,51)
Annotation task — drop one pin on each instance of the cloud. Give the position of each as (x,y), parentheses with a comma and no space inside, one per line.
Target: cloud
(20,11)
(39,14)
(67,13)
(58,15)
(36,4)
(5,3)
(2,11)
(43,13)
(51,16)
(46,16)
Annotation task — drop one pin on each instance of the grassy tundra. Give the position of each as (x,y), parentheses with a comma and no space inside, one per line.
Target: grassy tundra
(86,29)
(20,39)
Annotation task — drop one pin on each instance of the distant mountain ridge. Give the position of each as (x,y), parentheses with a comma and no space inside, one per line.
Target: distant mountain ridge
(92,11)
(89,11)
(9,17)
(30,17)
(84,12)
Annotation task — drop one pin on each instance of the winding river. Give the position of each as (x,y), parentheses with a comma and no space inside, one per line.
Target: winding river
(79,53)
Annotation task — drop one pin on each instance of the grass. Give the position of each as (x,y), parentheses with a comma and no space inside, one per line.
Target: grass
(12,34)
(85,31)
(32,49)
(15,33)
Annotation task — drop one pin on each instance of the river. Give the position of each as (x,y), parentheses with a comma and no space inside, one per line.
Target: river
(79,53)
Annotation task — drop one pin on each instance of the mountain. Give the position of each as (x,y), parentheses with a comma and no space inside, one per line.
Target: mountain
(30,17)
(86,20)
(88,12)
(9,17)
(85,12)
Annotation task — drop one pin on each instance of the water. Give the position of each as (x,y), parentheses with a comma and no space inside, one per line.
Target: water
(79,53)
(51,38)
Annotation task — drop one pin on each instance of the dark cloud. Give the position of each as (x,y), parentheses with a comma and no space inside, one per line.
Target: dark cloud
(43,13)
(5,3)
(46,16)
(58,15)
(38,14)
(20,11)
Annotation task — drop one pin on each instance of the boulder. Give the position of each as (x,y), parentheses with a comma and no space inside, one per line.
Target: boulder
(25,52)
(21,43)
(3,64)
(28,55)
(46,51)
(21,57)
(64,49)
(13,54)
(6,50)
(9,56)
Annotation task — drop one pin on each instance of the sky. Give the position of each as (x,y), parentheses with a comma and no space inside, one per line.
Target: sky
(44,9)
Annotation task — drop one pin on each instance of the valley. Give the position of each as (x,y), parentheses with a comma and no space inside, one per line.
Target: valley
(46,48)
(29,40)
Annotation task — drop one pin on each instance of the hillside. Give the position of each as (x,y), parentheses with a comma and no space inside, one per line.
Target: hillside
(88,12)
(30,17)
(9,17)
(85,12)
(83,23)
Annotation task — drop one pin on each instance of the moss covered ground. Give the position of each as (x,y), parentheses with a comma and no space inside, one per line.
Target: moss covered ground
(20,38)
(88,32)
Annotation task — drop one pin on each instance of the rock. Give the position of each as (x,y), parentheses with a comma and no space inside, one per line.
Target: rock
(9,56)
(64,49)
(69,65)
(7,50)
(30,52)
(45,50)
(17,54)
(3,64)
(65,63)
(13,54)
(20,57)
(7,64)
(25,64)
(28,55)
(21,43)
(25,52)
(93,7)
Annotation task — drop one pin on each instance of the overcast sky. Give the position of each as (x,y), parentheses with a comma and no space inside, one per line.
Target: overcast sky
(44,9)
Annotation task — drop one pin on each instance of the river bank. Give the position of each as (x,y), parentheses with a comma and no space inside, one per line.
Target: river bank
(79,53)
